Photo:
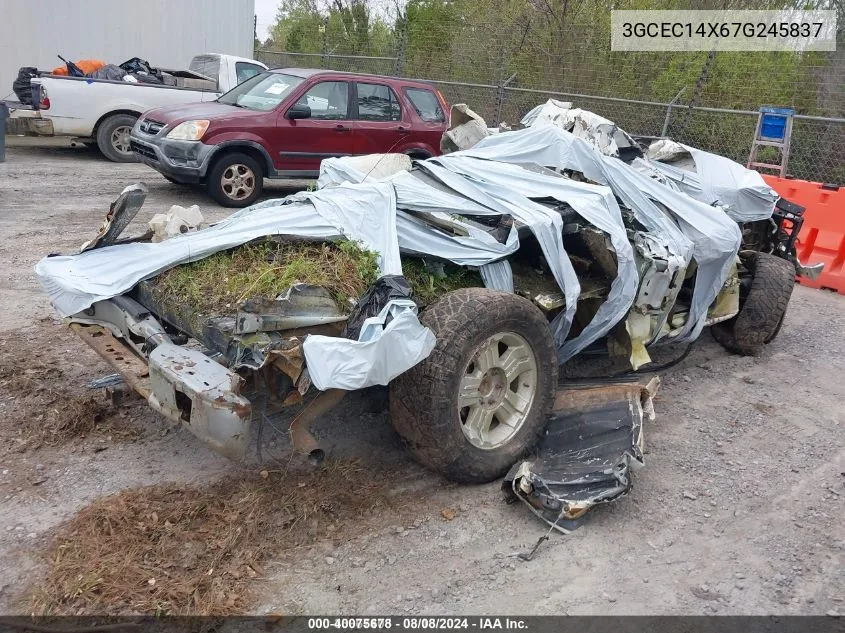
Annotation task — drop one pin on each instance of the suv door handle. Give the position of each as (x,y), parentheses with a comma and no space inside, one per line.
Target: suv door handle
(342,128)
(401,128)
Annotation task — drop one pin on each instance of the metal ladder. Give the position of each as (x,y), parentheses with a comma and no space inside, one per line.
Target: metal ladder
(774,129)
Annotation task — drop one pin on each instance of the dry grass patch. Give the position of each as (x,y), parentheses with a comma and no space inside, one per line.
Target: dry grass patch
(46,406)
(182,550)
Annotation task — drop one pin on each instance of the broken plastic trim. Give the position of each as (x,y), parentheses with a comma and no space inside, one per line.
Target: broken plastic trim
(593,441)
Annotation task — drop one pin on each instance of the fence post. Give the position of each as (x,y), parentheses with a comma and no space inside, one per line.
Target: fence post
(665,129)
(325,58)
(500,98)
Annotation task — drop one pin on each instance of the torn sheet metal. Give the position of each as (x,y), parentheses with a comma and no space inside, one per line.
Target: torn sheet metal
(601,133)
(593,441)
(302,305)
(693,229)
(389,344)
(514,190)
(334,171)
(715,180)
(120,214)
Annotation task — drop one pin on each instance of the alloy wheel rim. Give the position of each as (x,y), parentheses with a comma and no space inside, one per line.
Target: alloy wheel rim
(238,182)
(497,390)
(120,139)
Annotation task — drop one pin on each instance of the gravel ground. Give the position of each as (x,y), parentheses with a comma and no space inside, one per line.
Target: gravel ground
(738,511)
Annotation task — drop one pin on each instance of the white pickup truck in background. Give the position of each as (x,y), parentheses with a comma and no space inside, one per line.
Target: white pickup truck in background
(102,112)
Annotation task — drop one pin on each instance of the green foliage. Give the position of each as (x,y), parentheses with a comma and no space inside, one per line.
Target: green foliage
(427,286)
(341,27)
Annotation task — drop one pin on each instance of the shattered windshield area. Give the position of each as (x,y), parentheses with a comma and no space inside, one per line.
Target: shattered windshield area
(262,92)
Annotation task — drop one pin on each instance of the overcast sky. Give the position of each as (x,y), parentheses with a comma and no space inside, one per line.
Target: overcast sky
(266,12)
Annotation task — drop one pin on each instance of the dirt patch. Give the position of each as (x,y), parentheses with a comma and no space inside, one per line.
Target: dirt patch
(220,283)
(45,403)
(182,550)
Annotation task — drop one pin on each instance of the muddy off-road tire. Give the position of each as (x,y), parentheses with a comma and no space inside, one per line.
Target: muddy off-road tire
(764,308)
(480,401)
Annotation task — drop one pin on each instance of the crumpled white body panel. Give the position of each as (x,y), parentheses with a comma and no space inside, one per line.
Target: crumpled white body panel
(716,180)
(381,353)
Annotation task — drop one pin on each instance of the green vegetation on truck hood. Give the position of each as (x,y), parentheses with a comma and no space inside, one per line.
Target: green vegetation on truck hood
(220,283)
(428,286)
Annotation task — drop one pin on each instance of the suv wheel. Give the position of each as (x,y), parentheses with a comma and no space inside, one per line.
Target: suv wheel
(113,138)
(236,180)
(480,401)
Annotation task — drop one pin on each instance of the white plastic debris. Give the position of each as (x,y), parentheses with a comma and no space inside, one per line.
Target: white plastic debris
(389,344)
(176,221)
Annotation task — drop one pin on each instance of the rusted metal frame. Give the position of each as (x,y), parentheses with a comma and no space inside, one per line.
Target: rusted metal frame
(117,354)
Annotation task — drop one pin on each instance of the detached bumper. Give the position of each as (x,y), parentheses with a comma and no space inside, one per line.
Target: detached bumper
(183,161)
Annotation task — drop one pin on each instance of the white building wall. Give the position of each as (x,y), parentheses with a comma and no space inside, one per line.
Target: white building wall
(167,33)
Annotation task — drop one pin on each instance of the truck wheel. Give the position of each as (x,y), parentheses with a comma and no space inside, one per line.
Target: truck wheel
(762,313)
(113,138)
(236,180)
(480,401)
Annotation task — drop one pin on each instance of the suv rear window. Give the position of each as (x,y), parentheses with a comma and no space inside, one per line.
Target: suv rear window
(376,102)
(426,104)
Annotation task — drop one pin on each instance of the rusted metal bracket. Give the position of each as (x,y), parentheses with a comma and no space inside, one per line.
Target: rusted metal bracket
(117,354)
(300,435)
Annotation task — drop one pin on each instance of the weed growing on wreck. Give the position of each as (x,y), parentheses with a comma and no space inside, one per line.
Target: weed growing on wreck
(220,283)
(172,549)
(428,287)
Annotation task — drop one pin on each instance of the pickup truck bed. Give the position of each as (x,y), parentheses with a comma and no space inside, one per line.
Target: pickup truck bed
(104,111)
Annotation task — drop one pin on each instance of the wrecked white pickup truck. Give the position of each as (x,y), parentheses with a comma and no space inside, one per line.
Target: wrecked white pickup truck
(462,281)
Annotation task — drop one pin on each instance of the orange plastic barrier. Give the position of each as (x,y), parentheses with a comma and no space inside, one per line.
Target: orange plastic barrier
(822,236)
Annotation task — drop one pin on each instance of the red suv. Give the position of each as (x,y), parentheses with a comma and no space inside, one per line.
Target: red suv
(282,123)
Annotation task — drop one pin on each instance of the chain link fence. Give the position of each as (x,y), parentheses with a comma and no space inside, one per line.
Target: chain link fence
(503,57)
(347,63)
